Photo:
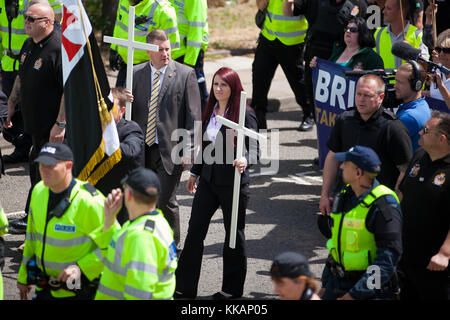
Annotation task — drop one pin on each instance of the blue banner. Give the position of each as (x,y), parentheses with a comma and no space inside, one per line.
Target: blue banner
(333,94)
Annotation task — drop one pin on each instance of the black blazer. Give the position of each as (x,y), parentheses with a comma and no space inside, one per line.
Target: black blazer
(221,172)
(132,149)
(178,107)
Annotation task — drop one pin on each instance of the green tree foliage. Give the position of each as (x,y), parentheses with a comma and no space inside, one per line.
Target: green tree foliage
(102,14)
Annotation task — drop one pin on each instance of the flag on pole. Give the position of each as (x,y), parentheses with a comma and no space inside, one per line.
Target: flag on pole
(91,130)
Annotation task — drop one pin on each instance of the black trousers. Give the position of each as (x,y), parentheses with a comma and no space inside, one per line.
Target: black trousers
(208,198)
(167,202)
(270,54)
(422,284)
(38,142)
(15,135)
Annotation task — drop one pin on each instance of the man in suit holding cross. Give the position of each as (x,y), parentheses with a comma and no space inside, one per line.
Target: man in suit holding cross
(166,98)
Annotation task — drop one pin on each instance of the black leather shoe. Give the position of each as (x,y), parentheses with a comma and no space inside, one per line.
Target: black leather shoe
(18,224)
(261,117)
(223,296)
(15,157)
(307,124)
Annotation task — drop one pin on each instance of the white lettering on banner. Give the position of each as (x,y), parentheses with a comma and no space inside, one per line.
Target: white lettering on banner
(328,89)
(323,81)
(337,91)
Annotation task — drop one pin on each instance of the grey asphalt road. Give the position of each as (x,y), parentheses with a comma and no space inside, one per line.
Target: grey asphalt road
(281,214)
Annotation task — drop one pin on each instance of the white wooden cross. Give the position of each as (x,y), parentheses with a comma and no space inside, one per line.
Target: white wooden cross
(131,45)
(241,132)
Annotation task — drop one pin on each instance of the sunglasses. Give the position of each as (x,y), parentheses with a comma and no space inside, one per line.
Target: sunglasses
(428,130)
(351,29)
(32,19)
(444,50)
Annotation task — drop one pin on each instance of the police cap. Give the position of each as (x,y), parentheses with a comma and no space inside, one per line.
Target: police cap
(52,152)
(290,265)
(141,179)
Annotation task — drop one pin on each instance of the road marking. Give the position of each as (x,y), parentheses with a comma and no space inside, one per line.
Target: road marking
(300,178)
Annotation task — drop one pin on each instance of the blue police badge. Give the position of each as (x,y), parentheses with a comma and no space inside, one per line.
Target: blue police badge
(414,171)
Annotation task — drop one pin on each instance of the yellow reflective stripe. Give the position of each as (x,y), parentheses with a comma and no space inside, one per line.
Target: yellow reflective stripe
(284,18)
(286,34)
(199,24)
(194,44)
(55,242)
(137,293)
(53,265)
(110,292)
(13,30)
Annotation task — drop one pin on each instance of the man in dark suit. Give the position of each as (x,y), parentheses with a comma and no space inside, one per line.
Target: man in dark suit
(131,147)
(166,98)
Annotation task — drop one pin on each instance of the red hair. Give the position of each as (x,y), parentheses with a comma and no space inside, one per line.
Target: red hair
(232,79)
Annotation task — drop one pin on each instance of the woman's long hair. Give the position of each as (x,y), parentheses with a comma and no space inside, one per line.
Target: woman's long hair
(232,79)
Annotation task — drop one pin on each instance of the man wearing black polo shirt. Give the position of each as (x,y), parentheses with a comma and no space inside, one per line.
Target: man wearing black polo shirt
(426,214)
(368,125)
(39,86)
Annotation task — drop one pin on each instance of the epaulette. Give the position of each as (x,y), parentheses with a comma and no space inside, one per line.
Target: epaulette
(91,189)
(385,208)
(149,225)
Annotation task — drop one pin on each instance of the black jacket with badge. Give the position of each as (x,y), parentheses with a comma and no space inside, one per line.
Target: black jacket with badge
(383,132)
(41,81)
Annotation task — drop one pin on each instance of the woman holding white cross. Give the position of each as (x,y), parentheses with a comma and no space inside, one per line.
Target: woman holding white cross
(212,179)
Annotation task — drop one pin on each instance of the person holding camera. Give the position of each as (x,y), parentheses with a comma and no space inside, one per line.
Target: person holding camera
(414,111)
(440,86)
(64,227)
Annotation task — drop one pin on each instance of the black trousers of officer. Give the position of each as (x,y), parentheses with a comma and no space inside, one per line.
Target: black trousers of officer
(268,55)
(167,202)
(39,139)
(207,200)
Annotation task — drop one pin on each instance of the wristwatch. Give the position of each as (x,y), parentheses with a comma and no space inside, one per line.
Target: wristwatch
(61,125)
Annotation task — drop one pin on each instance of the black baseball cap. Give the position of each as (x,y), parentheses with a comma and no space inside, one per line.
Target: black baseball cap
(52,152)
(364,157)
(140,179)
(290,265)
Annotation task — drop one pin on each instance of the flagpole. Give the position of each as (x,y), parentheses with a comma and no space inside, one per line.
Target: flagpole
(105,116)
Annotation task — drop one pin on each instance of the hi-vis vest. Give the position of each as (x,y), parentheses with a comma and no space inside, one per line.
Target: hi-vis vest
(140,261)
(152,14)
(384,45)
(351,244)
(192,23)
(3,230)
(67,240)
(289,30)
(11,49)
